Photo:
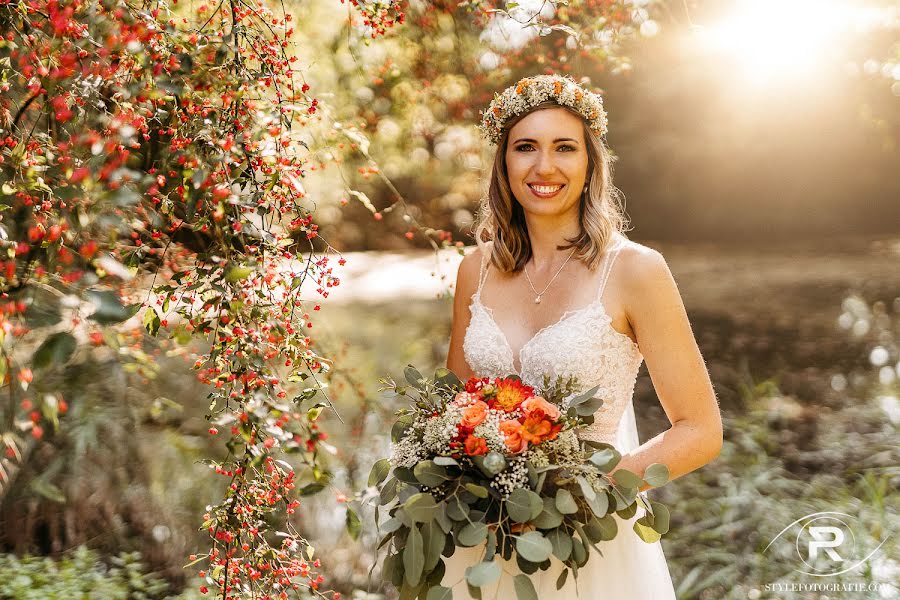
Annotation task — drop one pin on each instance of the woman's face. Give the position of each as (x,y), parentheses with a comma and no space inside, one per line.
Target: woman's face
(547,161)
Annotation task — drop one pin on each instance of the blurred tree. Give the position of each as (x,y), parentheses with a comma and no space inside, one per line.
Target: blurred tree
(152,159)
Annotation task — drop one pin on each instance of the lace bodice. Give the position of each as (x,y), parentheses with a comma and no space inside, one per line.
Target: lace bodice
(582,343)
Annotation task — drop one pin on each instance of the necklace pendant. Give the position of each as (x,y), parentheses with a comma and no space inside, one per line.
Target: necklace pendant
(537,299)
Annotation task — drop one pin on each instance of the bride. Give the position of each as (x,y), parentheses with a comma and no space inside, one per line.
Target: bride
(555,287)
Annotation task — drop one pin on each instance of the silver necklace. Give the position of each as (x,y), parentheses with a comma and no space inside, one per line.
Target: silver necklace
(537,298)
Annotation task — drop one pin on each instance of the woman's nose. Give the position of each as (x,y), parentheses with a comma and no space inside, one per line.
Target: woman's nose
(545,164)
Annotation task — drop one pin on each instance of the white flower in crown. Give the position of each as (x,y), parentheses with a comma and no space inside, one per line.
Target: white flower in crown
(531,91)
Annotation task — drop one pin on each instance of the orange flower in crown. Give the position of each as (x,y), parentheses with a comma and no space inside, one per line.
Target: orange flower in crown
(509,394)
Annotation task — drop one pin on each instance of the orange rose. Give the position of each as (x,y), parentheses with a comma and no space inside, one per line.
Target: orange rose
(512,436)
(538,407)
(474,415)
(476,445)
(535,429)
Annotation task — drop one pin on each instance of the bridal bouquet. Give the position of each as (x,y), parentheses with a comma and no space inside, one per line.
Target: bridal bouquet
(495,462)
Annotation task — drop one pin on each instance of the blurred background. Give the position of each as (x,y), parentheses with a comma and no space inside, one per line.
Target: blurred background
(756,147)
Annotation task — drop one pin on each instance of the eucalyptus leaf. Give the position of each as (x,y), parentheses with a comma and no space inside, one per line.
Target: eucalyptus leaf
(436,576)
(478,490)
(583,397)
(483,573)
(430,474)
(586,489)
(474,592)
(550,517)
(457,509)
(561,580)
(445,461)
(388,491)
(608,527)
(433,539)
(605,460)
(420,508)
(561,542)
(656,474)
(400,426)
(524,588)
(472,534)
(526,566)
(626,478)
(523,505)
(413,557)
(589,407)
(447,377)
(645,531)
(439,592)
(392,569)
(409,592)
(579,551)
(599,505)
(392,524)
(379,472)
(413,376)
(441,518)
(627,512)
(385,540)
(406,475)
(660,517)
(533,546)
(565,503)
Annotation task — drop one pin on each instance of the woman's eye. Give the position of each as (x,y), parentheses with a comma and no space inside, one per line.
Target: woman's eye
(529,147)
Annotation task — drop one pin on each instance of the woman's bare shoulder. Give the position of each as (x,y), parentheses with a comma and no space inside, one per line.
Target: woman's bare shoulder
(642,267)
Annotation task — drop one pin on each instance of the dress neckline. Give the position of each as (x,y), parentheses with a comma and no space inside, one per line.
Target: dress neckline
(476,299)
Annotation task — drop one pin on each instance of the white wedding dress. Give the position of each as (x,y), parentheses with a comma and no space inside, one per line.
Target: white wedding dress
(581,343)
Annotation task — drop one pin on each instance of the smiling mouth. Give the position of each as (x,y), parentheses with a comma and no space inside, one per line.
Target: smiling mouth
(546,190)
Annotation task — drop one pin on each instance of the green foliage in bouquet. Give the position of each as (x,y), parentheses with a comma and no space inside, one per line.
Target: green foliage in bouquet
(527,488)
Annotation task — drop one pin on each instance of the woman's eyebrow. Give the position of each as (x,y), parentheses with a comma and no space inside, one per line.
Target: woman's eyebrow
(556,141)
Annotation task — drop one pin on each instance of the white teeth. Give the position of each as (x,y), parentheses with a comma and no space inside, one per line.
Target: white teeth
(545,189)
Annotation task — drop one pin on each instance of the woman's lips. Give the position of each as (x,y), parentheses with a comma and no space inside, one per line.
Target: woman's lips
(536,190)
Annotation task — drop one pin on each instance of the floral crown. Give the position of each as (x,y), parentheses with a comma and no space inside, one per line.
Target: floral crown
(531,91)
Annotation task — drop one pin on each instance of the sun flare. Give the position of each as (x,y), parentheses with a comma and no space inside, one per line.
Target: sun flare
(764,39)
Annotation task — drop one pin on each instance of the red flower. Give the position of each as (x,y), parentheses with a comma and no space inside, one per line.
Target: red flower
(474,384)
(476,445)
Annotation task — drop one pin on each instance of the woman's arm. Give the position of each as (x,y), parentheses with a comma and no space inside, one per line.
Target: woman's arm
(656,313)
(466,284)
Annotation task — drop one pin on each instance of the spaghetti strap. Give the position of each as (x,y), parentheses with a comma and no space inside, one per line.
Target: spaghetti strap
(485,261)
(608,260)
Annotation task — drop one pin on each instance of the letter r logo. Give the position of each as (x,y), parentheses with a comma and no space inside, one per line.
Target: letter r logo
(826,538)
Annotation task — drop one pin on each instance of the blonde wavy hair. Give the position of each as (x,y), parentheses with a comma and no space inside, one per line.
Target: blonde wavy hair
(501,218)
